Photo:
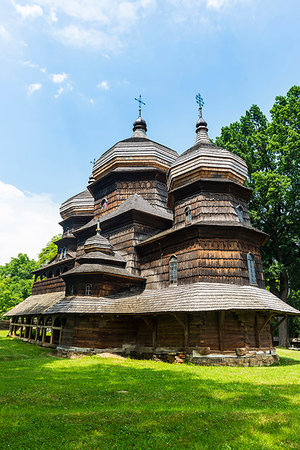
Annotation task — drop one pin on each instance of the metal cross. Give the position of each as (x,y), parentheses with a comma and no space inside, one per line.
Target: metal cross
(199,100)
(139,100)
(93,162)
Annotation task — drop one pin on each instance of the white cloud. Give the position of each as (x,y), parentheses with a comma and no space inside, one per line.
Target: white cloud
(218,4)
(28,221)
(59,92)
(33,87)
(4,34)
(92,101)
(53,16)
(26,11)
(103,85)
(59,77)
(80,37)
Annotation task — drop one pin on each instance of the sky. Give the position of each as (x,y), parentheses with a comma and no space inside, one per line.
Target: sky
(70,70)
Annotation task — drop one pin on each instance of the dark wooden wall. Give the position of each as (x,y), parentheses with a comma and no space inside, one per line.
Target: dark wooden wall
(239,330)
(211,207)
(211,260)
(54,284)
(147,185)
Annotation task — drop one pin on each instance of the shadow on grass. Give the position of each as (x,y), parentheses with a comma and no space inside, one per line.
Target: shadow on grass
(285,361)
(101,403)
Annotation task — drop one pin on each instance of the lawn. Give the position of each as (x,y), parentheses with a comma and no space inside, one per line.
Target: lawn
(94,402)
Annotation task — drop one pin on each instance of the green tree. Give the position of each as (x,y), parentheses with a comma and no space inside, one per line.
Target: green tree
(49,252)
(271,150)
(15,281)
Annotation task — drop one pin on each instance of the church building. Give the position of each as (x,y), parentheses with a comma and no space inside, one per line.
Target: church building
(158,259)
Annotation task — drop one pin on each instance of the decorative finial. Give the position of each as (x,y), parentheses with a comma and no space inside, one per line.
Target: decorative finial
(201,125)
(200,102)
(98,228)
(140,102)
(93,161)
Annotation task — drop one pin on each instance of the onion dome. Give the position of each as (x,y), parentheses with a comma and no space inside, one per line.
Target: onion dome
(81,204)
(98,243)
(206,160)
(134,153)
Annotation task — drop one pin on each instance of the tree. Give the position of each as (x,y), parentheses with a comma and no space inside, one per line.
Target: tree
(49,252)
(271,151)
(15,281)
(16,277)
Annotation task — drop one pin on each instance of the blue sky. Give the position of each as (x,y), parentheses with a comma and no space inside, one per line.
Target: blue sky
(70,70)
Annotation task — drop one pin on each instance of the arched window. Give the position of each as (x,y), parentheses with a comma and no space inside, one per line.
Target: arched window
(188,215)
(61,251)
(240,213)
(173,269)
(70,289)
(65,252)
(104,203)
(57,273)
(88,289)
(50,274)
(251,268)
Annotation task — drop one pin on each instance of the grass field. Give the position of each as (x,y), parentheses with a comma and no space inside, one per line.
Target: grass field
(95,402)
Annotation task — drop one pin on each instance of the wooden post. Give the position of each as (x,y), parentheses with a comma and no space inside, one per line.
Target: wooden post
(51,337)
(221,317)
(154,333)
(257,332)
(185,325)
(278,324)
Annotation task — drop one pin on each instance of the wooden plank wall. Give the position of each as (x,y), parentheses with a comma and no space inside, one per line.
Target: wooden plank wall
(239,330)
(151,189)
(55,284)
(210,206)
(211,260)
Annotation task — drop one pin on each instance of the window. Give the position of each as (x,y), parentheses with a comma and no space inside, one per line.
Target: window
(173,269)
(70,289)
(240,213)
(188,215)
(88,289)
(104,203)
(251,268)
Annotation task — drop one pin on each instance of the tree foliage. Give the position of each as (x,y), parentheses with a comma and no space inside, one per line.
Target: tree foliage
(16,277)
(271,149)
(15,281)
(49,252)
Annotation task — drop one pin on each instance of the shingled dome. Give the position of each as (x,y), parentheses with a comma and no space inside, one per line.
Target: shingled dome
(136,152)
(81,204)
(206,160)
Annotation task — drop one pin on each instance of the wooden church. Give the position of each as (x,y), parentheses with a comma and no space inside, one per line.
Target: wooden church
(157,259)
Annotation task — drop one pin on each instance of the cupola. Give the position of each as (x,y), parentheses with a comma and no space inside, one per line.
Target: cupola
(98,243)
(204,160)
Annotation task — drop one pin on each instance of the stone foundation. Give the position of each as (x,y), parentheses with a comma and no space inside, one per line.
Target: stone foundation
(250,358)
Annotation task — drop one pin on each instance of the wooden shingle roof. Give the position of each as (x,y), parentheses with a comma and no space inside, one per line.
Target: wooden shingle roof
(184,298)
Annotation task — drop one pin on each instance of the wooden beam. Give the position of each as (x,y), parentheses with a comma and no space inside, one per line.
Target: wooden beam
(278,324)
(185,325)
(268,319)
(257,333)
(154,333)
(221,318)
(148,323)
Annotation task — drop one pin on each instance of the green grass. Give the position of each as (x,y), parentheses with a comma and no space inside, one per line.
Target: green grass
(52,403)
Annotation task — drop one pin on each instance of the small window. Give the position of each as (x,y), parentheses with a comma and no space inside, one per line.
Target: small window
(173,269)
(88,289)
(188,215)
(240,213)
(104,203)
(251,268)
(61,253)
(70,289)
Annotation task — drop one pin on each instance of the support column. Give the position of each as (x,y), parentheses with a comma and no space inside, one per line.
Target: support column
(221,318)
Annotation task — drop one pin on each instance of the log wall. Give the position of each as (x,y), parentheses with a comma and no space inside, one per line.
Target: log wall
(55,284)
(184,332)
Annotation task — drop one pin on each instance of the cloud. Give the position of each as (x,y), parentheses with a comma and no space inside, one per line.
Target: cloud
(27,11)
(59,92)
(4,34)
(103,85)
(33,87)
(59,77)
(80,37)
(28,221)
(53,16)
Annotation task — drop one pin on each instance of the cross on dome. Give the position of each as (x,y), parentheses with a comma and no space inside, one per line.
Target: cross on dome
(140,102)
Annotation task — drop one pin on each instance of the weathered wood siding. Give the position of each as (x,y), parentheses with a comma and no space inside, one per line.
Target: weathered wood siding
(165,331)
(54,284)
(148,186)
(217,207)
(213,260)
